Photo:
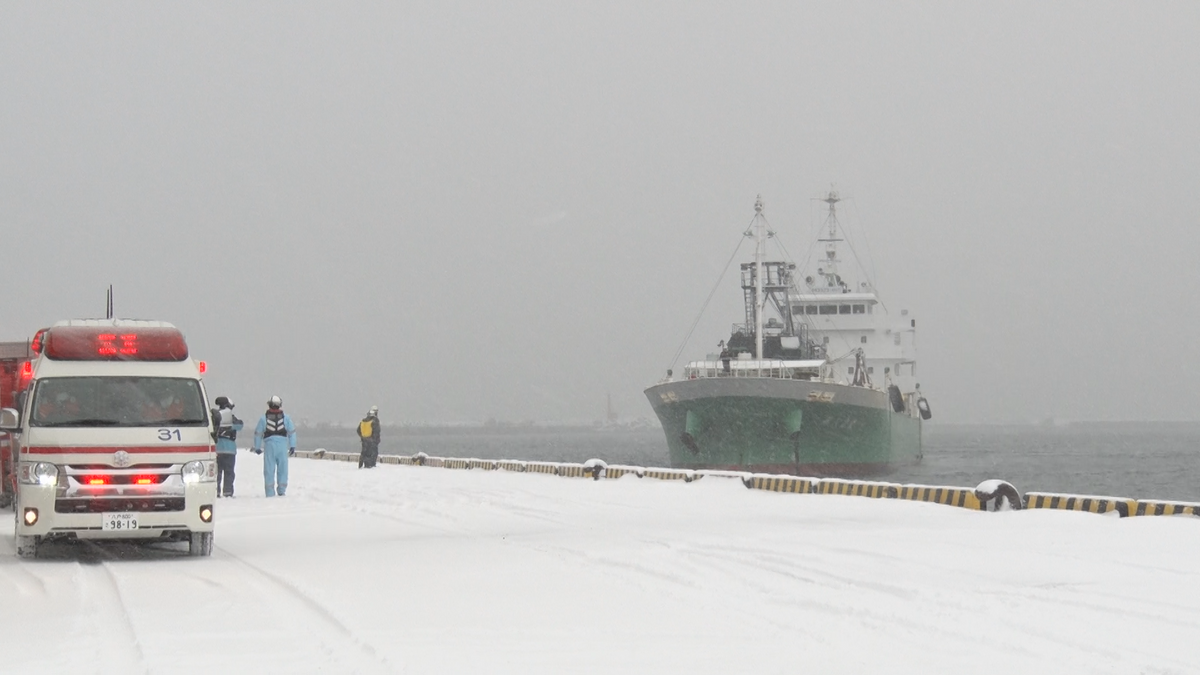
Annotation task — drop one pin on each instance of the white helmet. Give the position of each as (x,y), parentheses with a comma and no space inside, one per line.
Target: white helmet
(373,411)
(274,402)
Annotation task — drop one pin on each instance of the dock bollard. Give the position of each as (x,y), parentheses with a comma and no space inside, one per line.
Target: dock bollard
(596,467)
(998,495)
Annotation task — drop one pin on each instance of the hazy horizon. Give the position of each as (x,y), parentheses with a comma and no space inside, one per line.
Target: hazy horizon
(460,212)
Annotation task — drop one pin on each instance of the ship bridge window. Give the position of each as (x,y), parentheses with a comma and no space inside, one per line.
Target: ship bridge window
(863,339)
(843,309)
(860,309)
(828,309)
(810,309)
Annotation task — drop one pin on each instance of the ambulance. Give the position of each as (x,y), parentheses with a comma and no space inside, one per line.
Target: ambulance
(113,438)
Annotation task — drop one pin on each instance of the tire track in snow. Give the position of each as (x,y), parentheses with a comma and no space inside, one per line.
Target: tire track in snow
(370,660)
(104,612)
(27,583)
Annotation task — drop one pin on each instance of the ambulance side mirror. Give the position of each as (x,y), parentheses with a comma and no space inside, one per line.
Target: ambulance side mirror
(10,420)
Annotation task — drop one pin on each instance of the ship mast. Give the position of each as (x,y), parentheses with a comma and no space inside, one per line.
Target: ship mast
(833,281)
(760,242)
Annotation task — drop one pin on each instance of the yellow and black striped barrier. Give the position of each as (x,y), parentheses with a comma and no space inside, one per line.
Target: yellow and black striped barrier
(541,467)
(1048,500)
(672,474)
(979,499)
(575,471)
(856,488)
(950,496)
(792,484)
(617,471)
(1152,507)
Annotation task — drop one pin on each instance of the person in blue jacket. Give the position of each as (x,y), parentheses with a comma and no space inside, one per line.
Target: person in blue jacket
(227,426)
(275,439)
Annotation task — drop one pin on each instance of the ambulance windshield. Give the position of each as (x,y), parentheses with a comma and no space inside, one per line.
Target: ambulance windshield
(117,402)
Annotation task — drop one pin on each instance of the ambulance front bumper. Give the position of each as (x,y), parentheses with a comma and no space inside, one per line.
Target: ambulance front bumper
(187,509)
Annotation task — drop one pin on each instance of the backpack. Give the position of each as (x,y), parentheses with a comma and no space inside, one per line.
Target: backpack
(365,429)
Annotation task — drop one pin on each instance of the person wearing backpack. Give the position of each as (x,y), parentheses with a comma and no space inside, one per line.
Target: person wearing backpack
(368,431)
(275,436)
(227,425)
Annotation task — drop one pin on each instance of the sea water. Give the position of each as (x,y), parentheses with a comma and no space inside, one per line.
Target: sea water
(1139,460)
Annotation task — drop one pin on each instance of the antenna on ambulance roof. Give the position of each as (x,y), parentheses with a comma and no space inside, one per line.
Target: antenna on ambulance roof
(109,309)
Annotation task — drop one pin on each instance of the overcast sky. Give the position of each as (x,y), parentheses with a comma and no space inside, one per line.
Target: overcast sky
(462,211)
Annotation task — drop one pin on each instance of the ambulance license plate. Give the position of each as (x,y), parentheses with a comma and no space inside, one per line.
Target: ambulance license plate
(119,522)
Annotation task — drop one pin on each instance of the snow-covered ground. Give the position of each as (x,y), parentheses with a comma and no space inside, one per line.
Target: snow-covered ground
(425,570)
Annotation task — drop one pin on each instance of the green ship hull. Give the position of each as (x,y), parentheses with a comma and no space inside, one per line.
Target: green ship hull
(774,425)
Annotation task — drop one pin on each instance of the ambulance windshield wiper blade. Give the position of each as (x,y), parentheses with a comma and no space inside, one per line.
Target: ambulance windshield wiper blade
(177,421)
(90,422)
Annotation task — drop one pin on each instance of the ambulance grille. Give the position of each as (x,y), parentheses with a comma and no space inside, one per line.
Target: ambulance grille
(103,504)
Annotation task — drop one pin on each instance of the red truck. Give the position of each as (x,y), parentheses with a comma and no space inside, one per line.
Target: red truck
(15,373)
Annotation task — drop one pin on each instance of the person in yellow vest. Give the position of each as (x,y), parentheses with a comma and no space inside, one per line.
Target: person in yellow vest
(368,431)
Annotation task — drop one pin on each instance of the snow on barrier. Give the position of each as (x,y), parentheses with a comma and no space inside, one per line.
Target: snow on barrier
(1049,500)
(998,495)
(856,488)
(541,467)
(616,471)
(722,473)
(792,484)
(1151,507)
(685,475)
(951,496)
(575,471)
(595,468)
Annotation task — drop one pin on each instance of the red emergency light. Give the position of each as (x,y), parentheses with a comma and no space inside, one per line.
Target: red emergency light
(203,367)
(36,343)
(88,343)
(26,371)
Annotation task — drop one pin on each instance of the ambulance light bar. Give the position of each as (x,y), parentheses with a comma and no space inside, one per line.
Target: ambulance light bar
(88,343)
(36,343)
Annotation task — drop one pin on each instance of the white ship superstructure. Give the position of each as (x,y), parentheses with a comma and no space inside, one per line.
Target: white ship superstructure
(844,317)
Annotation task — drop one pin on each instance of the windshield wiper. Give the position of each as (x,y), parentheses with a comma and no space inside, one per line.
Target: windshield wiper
(89,422)
(175,421)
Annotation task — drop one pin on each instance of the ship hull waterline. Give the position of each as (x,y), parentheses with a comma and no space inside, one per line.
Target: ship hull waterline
(773,425)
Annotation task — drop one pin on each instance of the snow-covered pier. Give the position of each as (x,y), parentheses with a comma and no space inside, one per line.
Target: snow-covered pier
(420,570)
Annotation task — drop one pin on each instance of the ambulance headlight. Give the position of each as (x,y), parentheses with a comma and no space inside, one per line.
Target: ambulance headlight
(38,473)
(199,471)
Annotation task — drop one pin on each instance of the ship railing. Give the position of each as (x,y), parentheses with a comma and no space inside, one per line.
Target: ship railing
(753,368)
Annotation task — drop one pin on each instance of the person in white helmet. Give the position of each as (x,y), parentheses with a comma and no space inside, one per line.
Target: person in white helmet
(368,431)
(275,439)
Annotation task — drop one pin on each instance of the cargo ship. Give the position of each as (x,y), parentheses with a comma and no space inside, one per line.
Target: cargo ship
(819,380)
